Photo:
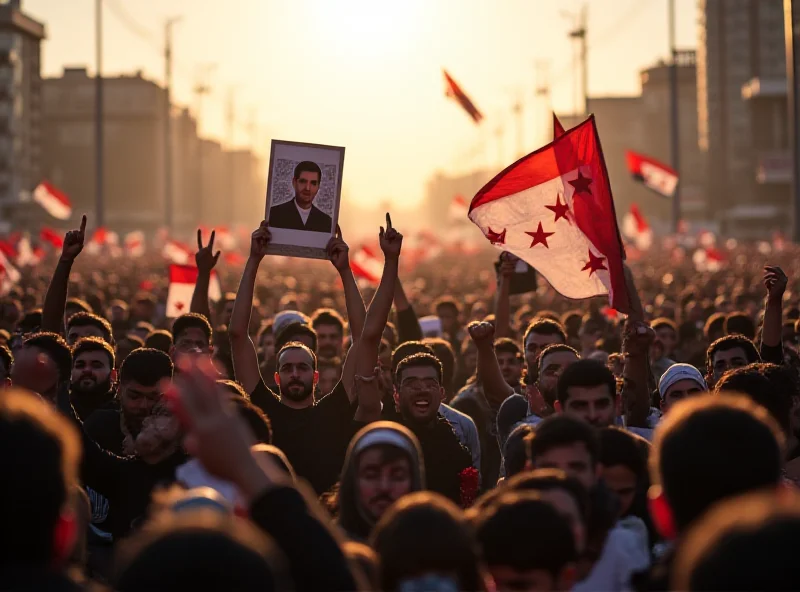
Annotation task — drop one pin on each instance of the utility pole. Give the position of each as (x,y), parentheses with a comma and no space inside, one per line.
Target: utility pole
(517,108)
(168,184)
(792,57)
(230,122)
(579,35)
(674,118)
(499,133)
(201,88)
(98,114)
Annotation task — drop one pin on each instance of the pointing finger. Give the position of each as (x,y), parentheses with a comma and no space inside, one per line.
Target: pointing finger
(388,221)
(338,231)
(83,224)
(199,239)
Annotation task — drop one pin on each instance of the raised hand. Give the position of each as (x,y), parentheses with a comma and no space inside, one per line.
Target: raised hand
(259,241)
(205,257)
(481,332)
(391,240)
(338,252)
(637,337)
(73,242)
(508,264)
(775,281)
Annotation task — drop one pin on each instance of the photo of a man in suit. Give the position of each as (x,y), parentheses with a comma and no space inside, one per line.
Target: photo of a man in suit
(300,213)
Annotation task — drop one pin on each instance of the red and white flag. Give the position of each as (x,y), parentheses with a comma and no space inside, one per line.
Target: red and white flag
(182,279)
(654,174)
(554,209)
(636,229)
(8,249)
(459,208)
(9,276)
(453,90)
(177,253)
(27,255)
(366,265)
(225,238)
(708,259)
(55,202)
(134,243)
(98,241)
(53,237)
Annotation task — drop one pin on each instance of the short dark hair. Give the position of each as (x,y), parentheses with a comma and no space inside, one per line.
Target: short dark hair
(730,342)
(266,327)
(552,349)
(424,532)
(409,348)
(619,447)
(256,419)
(571,321)
(159,339)
(550,479)
(56,349)
(307,167)
(714,324)
(297,345)
(712,447)
(419,361)
(507,533)
(444,352)
(31,322)
(146,366)
(93,344)
(586,373)
(327,316)
(740,323)
(148,327)
(544,327)
(78,303)
(507,345)
(771,386)
(41,454)
(7,360)
(447,302)
(663,322)
(290,333)
(558,431)
(515,455)
(87,319)
(191,320)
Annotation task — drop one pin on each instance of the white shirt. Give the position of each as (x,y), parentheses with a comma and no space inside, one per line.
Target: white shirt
(625,552)
(304,214)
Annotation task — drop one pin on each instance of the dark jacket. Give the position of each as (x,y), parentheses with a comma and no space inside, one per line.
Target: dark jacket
(351,518)
(286,215)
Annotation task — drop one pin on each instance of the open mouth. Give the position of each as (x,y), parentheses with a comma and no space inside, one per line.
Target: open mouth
(421,405)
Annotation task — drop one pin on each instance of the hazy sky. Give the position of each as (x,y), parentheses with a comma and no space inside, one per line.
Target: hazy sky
(366,74)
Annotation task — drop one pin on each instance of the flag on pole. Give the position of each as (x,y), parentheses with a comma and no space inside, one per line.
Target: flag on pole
(9,276)
(554,209)
(176,252)
(51,236)
(636,229)
(55,202)
(654,174)
(558,129)
(134,243)
(366,265)
(454,91)
(182,279)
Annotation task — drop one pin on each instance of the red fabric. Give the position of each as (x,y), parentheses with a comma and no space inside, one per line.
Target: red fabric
(641,223)
(453,90)
(635,161)
(182,274)
(56,193)
(49,235)
(8,250)
(558,129)
(594,213)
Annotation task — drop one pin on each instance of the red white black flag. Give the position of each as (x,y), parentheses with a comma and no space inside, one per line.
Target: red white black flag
(654,174)
(454,91)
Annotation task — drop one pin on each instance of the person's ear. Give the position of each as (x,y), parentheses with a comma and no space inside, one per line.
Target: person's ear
(64,535)
(661,513)
(396,397)
(113,375)
(442,394)
(277,379)
(557,407)
(316,377)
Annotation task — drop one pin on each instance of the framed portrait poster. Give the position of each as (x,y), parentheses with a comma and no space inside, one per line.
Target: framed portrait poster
(304,190)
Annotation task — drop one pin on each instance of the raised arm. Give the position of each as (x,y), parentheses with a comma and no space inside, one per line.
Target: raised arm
(243,351)
(408,328)
(55,300)
(338,252)
(489,373)
(363,357)
(775,281)
(636,375)
(502,311)
(206,260)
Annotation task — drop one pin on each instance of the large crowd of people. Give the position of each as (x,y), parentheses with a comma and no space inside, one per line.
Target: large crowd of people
(432,432)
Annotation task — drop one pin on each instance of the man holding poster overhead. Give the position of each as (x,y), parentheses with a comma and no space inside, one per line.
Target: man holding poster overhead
(300,213)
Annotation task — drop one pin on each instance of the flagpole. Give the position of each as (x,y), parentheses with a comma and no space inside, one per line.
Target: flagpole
(674,118)
(794,110)
(98,111)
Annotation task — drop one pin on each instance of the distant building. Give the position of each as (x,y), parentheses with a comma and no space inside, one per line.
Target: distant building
(443,188)
(207,185)
(20,108)
(741,61)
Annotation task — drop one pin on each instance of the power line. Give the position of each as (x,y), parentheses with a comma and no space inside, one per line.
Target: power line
(131,24)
